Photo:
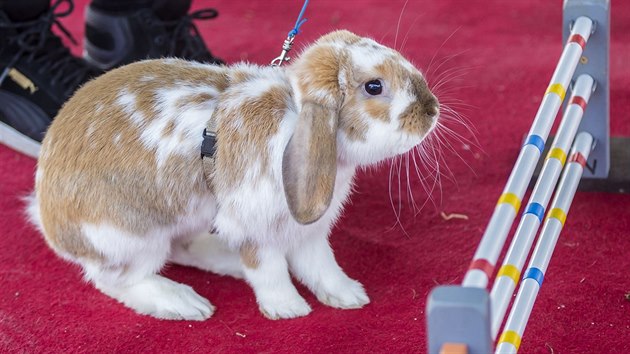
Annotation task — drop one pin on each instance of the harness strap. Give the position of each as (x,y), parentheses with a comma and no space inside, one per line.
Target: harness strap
(208,151)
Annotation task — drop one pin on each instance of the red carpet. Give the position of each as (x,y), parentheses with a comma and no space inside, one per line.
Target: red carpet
(502,55)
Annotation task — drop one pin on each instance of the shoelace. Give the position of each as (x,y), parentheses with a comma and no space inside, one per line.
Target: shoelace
(37,43)
(186,41)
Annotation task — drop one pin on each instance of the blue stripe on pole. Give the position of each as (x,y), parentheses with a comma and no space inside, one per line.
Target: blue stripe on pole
(537,141)
(536,209)
(536,274)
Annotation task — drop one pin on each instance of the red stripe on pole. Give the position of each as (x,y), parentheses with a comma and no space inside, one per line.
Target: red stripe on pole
(576,38)
(482,265)
(579,158)
(578,101)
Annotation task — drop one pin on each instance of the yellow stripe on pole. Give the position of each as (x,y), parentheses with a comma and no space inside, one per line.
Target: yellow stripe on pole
(511,271)
(512,338)
(512,199)
(558,214)
(557,153)
(558,89)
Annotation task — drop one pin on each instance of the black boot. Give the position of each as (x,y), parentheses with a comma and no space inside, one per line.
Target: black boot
(115,36)
(37,75)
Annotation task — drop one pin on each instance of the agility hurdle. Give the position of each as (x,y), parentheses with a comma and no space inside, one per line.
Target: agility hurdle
(467,319)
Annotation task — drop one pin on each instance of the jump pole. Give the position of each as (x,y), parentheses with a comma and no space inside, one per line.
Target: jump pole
(509,273)
(510,339)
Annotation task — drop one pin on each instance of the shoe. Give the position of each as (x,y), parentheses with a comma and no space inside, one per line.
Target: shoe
(113,39)
(38,74)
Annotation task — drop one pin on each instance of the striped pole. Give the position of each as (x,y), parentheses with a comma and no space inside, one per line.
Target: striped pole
(509,203)
(509,273)
(515,326)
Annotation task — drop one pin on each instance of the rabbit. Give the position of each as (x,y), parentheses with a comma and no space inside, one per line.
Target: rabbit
(120,187)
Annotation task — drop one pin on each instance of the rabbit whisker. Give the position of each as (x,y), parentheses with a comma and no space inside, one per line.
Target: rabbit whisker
(404,42)
(399,20)
(440,47)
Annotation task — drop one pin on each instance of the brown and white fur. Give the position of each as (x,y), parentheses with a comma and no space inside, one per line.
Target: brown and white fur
(120,188)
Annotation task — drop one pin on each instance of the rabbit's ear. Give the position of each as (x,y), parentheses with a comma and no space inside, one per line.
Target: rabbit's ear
(309,165)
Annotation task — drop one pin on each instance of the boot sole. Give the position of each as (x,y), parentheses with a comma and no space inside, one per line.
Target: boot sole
(15,107)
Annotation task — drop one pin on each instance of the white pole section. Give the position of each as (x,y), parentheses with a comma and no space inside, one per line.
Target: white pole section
(515,326)
(493,239)
(510,272)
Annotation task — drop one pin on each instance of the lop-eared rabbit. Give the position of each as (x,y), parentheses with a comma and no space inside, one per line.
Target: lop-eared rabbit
(121,187)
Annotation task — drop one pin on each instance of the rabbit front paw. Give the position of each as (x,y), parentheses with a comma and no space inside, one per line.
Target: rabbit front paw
(278,307)
(345,294)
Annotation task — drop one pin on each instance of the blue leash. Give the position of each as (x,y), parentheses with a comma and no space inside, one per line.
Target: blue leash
(299,21)
(288,43)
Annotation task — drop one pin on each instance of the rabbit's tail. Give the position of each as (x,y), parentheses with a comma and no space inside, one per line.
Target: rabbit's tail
(32,210)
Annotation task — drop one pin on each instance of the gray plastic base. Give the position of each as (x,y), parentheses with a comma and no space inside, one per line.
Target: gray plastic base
(459,315)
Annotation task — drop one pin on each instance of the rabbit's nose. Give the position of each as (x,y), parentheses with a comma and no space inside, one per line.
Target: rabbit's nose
(431,107)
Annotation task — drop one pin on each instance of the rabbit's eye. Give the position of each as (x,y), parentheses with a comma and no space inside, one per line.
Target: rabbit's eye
(374,87)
